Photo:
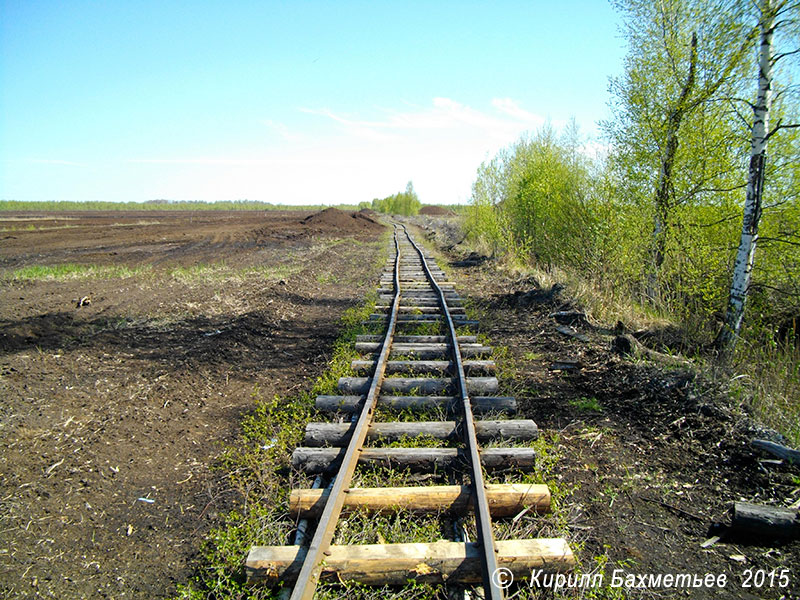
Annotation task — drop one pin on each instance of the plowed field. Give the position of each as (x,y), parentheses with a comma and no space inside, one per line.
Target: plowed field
(131,344)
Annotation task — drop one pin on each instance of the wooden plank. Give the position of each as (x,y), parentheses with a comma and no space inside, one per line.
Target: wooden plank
(473,367)
(571,332)
(405,317)
(425,351)
(338,434)
(505,500)
(450,404)
(396,564)
(422,385)
(416,280)
(422,460)
(418,339)
(424,293)
(410,346)
(421,310)
(419,301)
(423,297)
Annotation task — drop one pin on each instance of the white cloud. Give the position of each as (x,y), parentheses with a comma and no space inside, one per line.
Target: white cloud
(511,108)
(335,157)
(445,116)
(283,131)
(48,161)
(220,161)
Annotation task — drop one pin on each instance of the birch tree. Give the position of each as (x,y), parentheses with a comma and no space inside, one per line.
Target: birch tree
(773,14)
(683,55)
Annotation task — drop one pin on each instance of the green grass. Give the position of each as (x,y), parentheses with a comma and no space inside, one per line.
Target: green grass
(219,272)
(74,271)
(397,527)
(202,273)
(763,378)
(258,468)
(585,404)
(32,227)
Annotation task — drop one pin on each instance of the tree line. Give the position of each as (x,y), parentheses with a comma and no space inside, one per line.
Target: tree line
(693,206)
(402,203)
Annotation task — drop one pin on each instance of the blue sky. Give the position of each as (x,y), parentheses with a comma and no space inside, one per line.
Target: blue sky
(290,102)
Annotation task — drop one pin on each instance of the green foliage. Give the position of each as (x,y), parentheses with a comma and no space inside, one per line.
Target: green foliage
(403,203)
(397,527)
(74,271)
(542,204)
(585,404)
(257,466)
(535,201)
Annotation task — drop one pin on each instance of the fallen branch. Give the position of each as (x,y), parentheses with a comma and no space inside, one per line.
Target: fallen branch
(627,344)
(564,330)
(765,521)
(793,456)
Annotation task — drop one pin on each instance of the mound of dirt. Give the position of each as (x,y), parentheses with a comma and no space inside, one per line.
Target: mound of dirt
(439,211)
(343,222)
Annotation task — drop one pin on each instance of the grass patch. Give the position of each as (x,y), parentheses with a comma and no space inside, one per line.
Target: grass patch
(258,468)
(764,378)
(74,271)
(220,272)
(197,274)
(397,527)
(585,404)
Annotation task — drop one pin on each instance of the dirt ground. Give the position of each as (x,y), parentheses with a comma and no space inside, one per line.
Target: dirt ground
(651,458)
(112,412)
(119,388)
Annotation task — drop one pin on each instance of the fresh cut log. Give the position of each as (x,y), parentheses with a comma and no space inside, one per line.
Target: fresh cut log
(505,500)
(396,564)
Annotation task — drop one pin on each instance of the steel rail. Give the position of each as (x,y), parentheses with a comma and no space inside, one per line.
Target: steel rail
(482,517)
(308,578)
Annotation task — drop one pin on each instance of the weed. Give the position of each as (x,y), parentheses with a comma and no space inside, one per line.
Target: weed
(258,467)
(430,328)
(327,277)
(74,271)
(585,404)
(407,441)
(399,527)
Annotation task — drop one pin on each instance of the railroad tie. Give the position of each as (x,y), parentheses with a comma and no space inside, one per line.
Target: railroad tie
(418,362)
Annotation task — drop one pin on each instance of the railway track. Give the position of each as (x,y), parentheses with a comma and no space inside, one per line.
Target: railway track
(420,363)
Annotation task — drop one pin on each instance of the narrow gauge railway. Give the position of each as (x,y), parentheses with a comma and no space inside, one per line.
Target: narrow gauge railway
(404,371)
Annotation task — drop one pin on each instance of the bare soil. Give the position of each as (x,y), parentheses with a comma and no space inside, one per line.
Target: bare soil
(113,412)
(651,457)
(435,210)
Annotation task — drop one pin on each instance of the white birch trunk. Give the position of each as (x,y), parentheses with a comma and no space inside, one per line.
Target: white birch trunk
(743,266)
